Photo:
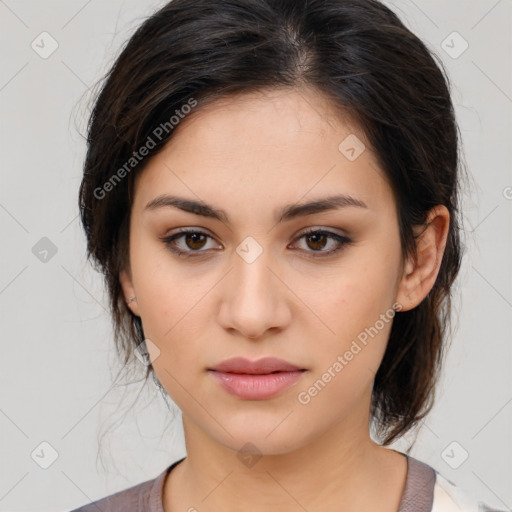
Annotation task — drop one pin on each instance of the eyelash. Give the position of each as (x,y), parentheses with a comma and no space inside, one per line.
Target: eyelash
(169,241)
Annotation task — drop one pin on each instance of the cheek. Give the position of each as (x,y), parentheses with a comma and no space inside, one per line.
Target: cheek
(157,282)
(165,297)
(344,375)
(360,293)
(359,311)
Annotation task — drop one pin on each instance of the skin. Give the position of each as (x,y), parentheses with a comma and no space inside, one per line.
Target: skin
(250,155)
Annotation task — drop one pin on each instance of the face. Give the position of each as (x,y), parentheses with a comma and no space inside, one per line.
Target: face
(316,287)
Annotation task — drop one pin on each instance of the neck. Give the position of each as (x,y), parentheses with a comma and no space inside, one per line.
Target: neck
(339,467)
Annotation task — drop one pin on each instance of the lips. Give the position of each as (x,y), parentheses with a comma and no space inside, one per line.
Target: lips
(266,365)
(256,380)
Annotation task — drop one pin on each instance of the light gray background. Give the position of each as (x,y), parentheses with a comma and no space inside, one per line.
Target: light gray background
(57,360)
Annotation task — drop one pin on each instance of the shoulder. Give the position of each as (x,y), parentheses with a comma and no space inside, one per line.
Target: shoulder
(448,497)
(143,497)
(427,490)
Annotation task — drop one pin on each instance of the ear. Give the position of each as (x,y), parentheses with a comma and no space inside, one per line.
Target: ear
(125,279)
(420,272)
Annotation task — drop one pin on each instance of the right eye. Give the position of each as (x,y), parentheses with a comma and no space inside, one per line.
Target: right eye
(191,241)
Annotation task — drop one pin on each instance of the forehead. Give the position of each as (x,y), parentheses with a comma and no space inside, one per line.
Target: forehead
(304,112)
(274,145)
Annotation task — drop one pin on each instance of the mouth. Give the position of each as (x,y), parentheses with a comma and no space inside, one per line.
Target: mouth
(255,373)
(256,386)
(261,379)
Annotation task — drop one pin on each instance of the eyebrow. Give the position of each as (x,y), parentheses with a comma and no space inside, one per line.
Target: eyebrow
(288,212)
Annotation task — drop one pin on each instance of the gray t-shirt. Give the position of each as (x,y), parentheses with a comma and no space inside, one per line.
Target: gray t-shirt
(418,496)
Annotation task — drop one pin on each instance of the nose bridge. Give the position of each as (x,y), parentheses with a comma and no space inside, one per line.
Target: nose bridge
(253,279)
(255,302)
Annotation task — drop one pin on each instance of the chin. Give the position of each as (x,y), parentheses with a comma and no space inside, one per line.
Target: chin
(262,438)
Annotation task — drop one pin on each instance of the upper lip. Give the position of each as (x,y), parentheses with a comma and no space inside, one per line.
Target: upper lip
(260,366)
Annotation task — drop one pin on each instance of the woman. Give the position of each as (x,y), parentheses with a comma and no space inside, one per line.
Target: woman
(271,190)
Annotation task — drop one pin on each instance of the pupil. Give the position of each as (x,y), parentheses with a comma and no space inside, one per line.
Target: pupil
(195,236)
(318,245)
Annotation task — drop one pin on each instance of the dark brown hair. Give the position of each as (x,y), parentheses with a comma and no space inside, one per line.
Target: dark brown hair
(360,56)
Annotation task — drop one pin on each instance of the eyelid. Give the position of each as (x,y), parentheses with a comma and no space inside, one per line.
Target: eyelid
(324,229)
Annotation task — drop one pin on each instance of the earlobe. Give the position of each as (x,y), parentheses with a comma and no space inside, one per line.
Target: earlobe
(420,272)
(408,286)
(129,291)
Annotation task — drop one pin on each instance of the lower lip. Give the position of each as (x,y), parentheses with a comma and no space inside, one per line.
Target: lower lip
(256,387)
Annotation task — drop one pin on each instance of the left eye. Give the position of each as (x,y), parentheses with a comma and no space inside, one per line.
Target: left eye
(197,240)
(319,239)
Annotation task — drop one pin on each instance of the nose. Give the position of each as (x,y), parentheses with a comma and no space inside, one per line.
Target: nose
(254,298)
